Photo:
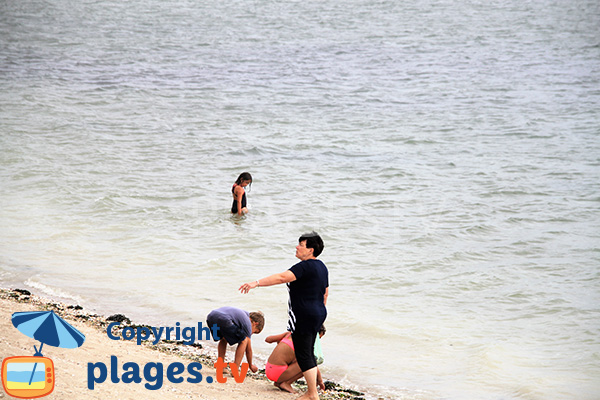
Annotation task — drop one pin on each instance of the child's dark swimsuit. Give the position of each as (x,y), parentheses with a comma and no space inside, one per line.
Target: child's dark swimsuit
(234,209)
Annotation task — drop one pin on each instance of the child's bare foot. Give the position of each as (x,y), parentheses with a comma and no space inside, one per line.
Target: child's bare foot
(285,386)
(306,396)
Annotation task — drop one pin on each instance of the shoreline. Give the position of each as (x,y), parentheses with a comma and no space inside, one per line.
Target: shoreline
(98,348)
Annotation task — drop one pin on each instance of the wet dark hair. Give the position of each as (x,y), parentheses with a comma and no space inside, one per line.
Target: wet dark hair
(313,241)
(244,176)
(322,330)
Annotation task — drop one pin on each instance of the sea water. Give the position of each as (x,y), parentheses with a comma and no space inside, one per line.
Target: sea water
(447,151)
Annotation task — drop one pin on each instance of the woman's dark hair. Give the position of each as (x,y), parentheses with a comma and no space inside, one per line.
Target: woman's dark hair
(244,176)
(313,241)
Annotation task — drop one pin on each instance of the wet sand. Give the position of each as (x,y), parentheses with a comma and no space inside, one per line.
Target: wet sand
(71,365)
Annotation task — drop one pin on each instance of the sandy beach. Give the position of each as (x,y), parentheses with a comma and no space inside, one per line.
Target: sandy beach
(71,365)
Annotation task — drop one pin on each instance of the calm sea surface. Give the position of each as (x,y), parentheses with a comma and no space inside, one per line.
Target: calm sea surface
(447,151)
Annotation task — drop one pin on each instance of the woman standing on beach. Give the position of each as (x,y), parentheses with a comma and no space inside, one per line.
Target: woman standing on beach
(308,286)
(239,193)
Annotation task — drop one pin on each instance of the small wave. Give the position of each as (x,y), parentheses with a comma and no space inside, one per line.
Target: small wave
(108,203)
(54,293)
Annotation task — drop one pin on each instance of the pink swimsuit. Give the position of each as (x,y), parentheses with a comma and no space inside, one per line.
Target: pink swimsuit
(274,371)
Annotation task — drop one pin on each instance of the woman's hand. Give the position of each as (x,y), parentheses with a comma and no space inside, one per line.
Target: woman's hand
(245,288)
(275,279)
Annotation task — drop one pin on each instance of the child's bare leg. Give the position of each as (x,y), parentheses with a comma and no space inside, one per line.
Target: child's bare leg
(289,376)
(222,348)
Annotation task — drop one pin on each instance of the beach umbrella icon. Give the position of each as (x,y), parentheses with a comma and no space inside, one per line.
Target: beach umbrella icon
(48,328)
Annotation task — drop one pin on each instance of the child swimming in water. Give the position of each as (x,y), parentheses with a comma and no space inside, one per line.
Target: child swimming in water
(239,193)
